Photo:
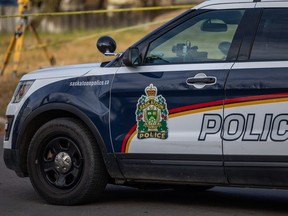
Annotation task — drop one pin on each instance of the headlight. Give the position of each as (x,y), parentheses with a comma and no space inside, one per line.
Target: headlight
(21,90)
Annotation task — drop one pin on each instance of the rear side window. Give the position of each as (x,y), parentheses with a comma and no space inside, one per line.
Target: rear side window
(271,41)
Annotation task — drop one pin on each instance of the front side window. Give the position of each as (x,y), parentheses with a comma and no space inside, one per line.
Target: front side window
(271,41)
(204,38)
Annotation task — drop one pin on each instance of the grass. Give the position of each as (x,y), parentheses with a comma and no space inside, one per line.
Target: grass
(65,53)
(68,48)
(73,52)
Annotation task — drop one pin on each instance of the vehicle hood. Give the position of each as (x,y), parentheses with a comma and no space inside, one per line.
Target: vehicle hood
(61,71)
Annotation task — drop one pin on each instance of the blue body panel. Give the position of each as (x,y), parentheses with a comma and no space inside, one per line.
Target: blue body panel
(128,88)
(93,101)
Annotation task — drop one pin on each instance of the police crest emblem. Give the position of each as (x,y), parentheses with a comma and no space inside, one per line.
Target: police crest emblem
(152,115)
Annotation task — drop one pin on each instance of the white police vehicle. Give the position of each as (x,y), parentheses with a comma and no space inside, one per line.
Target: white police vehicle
(201,101)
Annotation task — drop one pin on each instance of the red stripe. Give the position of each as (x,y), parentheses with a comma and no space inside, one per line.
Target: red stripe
(254,98)
(131,131)
(208,104)
(196,106)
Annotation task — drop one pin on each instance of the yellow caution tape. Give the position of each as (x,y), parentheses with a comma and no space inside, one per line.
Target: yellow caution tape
(102,11)
(96,35)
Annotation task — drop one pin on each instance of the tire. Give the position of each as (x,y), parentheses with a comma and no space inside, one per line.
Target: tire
(65,164)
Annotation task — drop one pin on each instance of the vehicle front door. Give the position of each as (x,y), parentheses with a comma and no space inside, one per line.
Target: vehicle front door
(161,125)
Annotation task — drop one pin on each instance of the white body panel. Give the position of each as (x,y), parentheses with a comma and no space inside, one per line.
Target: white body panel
(44,77)
(179,141)
(268,147)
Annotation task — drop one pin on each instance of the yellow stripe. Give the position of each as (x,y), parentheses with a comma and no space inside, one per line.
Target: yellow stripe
(173,116)
(129,141)
(195,111)
(251,103)
(238,104)
(102,11)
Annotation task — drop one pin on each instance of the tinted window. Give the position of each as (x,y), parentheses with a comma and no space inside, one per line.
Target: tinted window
(204,38)
(271,41)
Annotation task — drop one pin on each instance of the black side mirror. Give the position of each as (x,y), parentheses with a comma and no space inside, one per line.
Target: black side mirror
(132,57)
(106,45)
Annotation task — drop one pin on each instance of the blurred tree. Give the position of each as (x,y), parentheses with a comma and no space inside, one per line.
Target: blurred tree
(101,4)
(55,5)
(46,6)
(43,6)
(146,3)
(149,3)
(95,4)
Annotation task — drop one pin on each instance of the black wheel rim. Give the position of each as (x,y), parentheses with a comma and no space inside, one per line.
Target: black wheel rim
(61,163)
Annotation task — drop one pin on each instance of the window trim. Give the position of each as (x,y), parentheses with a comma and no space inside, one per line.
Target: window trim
(235,44)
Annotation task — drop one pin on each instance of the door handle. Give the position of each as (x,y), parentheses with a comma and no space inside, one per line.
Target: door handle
(201,80)
(207,80)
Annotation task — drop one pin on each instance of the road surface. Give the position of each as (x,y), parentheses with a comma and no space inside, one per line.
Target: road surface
(17,198)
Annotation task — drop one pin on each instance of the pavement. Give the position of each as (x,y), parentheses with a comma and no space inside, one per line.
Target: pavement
(18,198)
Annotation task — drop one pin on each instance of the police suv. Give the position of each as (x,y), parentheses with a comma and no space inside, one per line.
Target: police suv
(199,102)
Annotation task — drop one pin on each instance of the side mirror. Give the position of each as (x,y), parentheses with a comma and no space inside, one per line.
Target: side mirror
(132,57)
(106,45)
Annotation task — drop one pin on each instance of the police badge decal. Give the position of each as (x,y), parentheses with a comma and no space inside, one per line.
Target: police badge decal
(152,115)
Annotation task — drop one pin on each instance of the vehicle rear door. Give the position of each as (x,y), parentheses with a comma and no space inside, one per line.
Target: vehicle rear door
(255,127)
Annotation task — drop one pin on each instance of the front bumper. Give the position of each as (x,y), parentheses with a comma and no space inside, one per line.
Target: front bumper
(8,126)
(12,161)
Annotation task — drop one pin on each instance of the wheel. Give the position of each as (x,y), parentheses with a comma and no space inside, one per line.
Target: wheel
(64,162)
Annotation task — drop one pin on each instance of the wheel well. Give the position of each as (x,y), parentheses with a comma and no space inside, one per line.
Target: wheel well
(31,129)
